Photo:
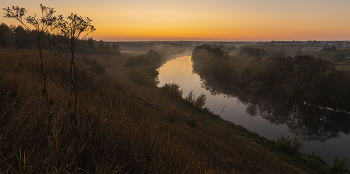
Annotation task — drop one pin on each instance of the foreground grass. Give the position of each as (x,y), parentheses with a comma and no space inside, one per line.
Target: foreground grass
(116,133)
(122,128)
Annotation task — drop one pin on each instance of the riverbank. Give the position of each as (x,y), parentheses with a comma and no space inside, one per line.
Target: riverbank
(227,134)
(123,127)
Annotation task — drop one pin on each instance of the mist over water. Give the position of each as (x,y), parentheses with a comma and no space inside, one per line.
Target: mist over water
(326,141)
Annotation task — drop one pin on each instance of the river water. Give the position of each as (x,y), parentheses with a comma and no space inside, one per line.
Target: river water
(324,140)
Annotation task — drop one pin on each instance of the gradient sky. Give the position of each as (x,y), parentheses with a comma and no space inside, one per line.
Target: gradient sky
(221,20)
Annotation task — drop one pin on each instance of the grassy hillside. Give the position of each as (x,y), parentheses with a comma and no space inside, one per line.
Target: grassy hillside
(123,127)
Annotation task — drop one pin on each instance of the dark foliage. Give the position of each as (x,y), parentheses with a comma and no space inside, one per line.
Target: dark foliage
(18,37)
(150,59)
(329,49)
(253,52)
(303,77)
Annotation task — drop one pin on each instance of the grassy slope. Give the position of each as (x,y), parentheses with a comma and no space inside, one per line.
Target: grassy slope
(122,127)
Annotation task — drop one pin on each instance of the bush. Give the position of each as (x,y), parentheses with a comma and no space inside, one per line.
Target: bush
(141,75)
(172,90)
(289,145)
(190,97)
(198,102)
(253,52)
(339,165)
(151,58)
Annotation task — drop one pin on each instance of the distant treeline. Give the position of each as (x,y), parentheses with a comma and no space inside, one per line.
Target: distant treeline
(338,51)
(18,37)
(303,78)
(173,47)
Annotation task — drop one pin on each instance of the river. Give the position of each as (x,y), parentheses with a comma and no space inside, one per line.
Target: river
(326,140)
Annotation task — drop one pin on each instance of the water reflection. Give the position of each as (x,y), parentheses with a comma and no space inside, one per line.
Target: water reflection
(266,115)
(311,122)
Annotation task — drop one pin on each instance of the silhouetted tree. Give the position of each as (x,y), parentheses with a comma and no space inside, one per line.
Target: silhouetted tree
(115,48)
(7,38)
(91,44)
(254,52)
(22,38)
(101,45)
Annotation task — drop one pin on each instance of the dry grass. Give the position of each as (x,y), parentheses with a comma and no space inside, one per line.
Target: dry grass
(122,128)
(116,132)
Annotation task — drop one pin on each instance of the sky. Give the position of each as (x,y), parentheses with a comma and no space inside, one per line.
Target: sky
(204,20)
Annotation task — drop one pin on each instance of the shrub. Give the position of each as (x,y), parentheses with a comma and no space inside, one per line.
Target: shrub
(172,90)
(130,62)
(339,165)
(289,145)
(142,76)
(151,58)
(254,52)
(190,97)
(198,102)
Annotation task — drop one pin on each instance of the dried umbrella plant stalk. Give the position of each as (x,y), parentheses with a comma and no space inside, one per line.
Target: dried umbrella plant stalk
(71,28)
(42,26)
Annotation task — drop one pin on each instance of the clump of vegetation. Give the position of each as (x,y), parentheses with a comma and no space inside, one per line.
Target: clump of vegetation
(21,37)
(198,102)
(339,165)
(144,68)
(173,90)
(95,67)
(289,145)
(151,58)
(304,77)
(253,52)
(145,75)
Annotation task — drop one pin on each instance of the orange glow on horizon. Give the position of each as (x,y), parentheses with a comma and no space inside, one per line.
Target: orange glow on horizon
(224,20)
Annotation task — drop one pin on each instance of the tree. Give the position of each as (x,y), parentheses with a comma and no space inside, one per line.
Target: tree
(91,44)
(116,48)
(254,52)
(304,64)
(22,37)
(101,45)
(7,38)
